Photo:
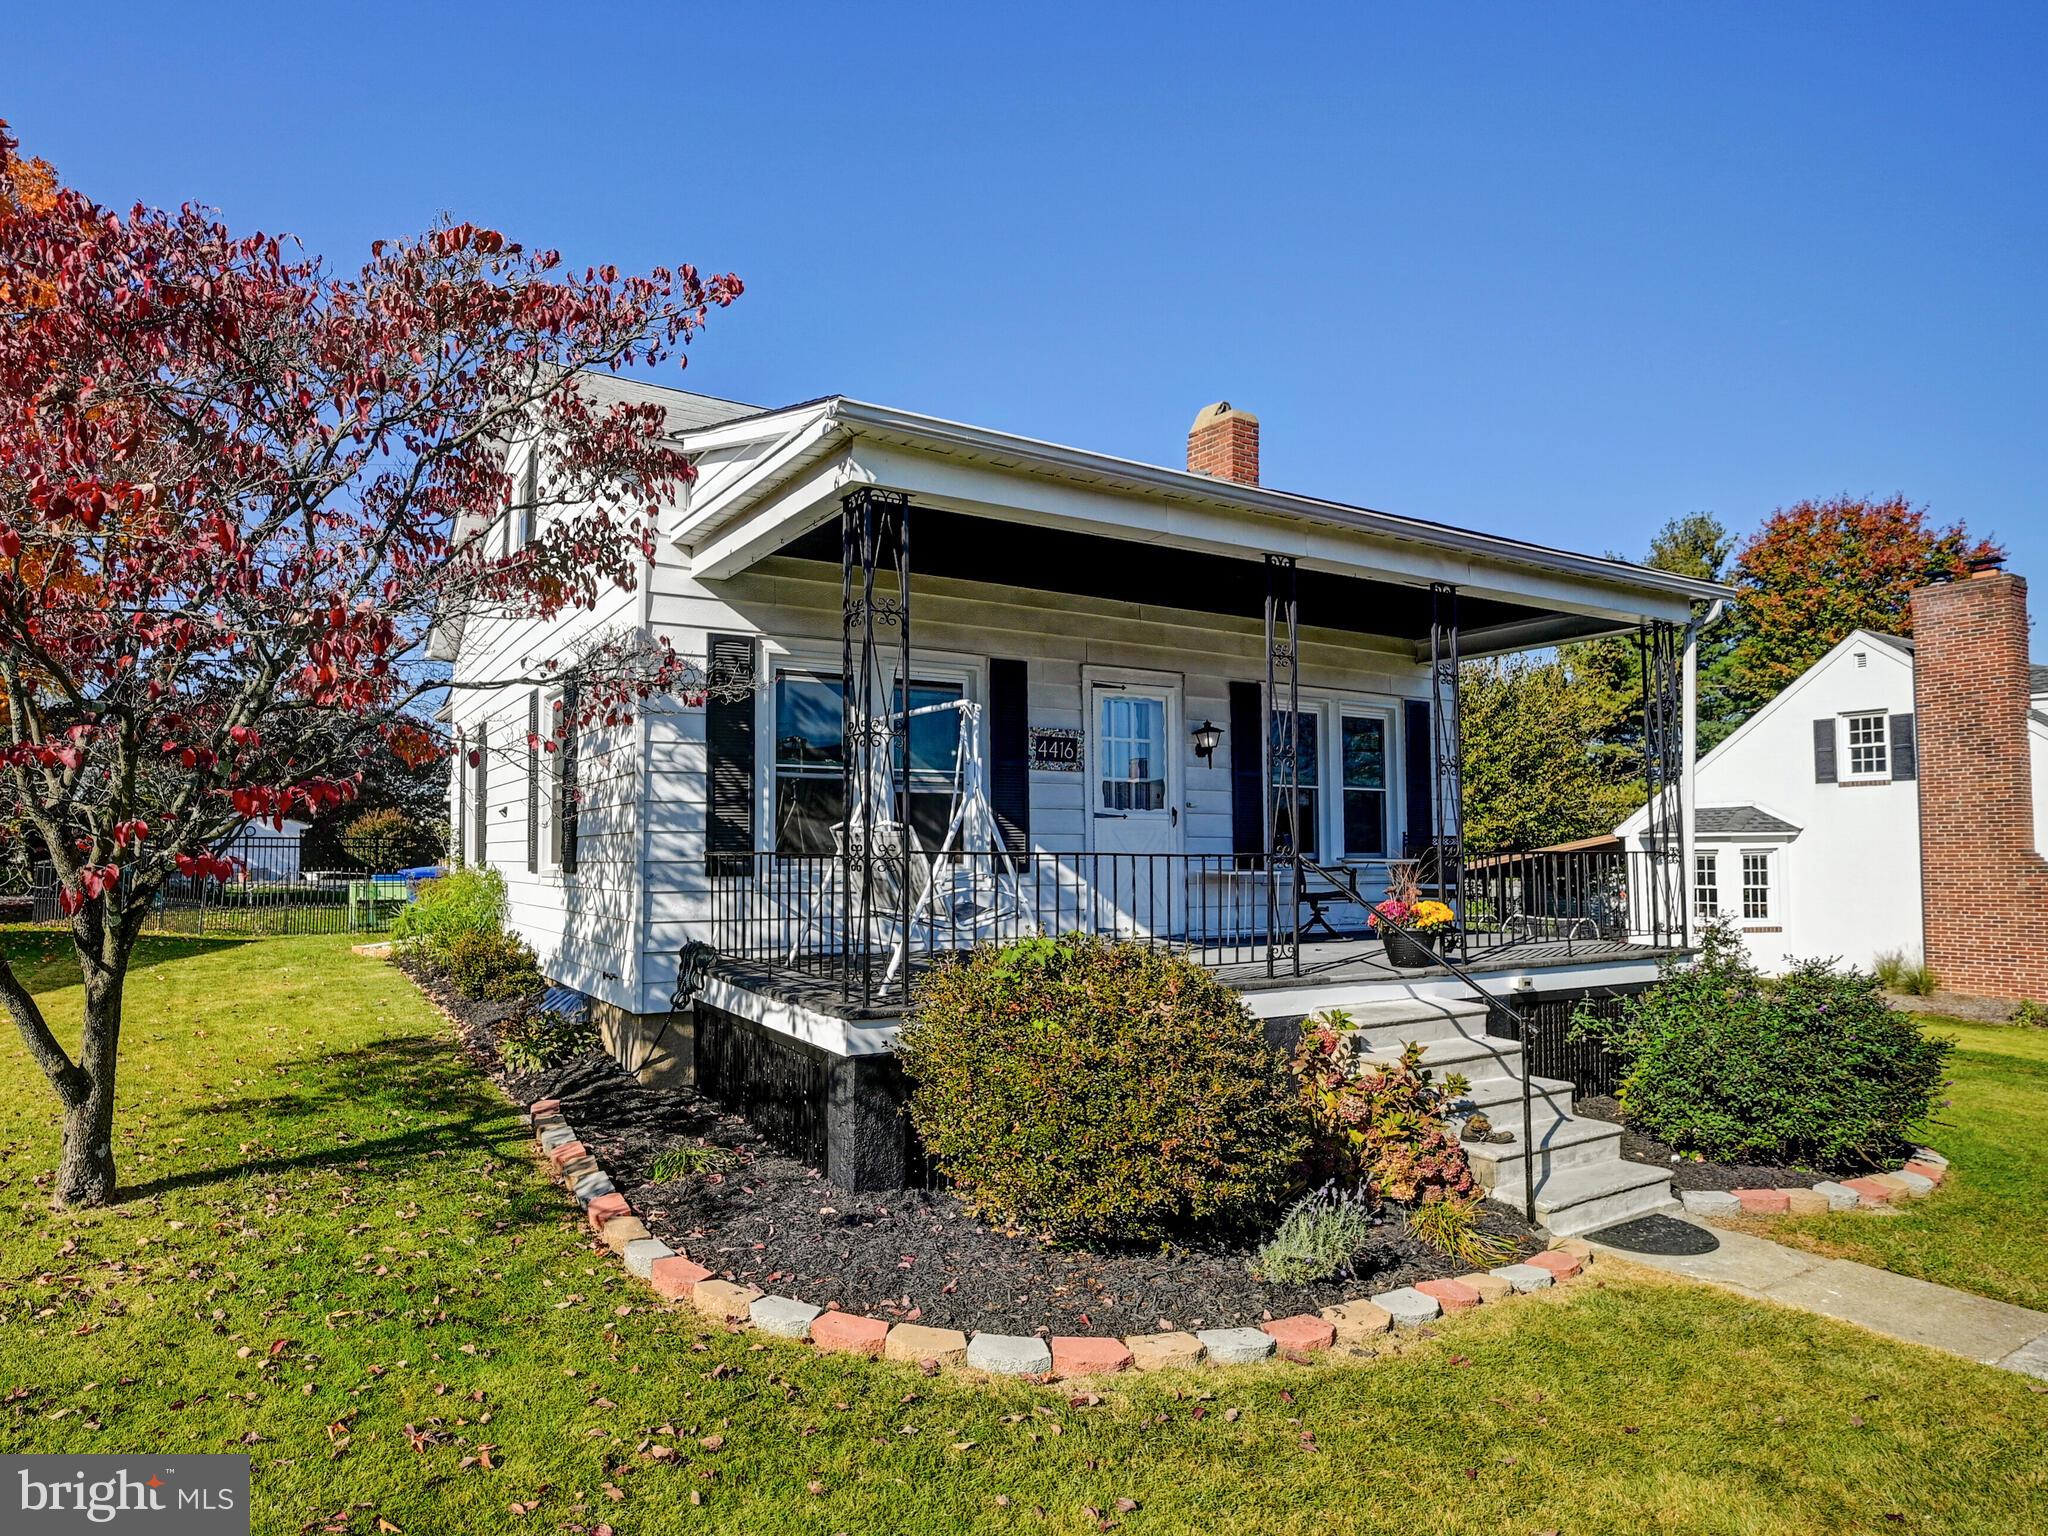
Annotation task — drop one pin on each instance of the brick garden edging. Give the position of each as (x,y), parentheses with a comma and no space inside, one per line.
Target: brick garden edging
(1913,1180)
(677,1277)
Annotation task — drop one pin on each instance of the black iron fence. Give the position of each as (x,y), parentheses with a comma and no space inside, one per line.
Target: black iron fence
(864,925)
(1544,1026)
(269,894)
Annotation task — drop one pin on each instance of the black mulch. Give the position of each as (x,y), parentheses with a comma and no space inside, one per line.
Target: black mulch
(912,1255)
(1687,1174)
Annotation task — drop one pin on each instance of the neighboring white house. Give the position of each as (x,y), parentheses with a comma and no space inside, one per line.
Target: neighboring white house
(1807,825)
(266,852)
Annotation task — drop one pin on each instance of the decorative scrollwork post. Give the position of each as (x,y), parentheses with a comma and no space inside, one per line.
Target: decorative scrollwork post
(1283,762)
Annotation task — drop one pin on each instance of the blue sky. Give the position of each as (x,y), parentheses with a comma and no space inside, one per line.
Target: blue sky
(1558,271)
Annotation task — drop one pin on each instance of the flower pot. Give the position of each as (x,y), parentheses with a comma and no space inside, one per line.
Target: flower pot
(1405,951)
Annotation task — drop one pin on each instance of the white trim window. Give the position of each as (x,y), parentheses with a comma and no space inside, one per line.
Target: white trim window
(1756,885)
(1309,750)
(1706,885)
(1866,747)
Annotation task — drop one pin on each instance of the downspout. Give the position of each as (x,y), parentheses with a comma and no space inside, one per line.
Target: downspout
(1689,779)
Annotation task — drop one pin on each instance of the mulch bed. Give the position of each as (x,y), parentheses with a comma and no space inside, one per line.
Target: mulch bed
(912,1255)
(1687,1174)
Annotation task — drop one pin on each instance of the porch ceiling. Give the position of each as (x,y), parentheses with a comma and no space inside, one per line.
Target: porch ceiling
(962,547)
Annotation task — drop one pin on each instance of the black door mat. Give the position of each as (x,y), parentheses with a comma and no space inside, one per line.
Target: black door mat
(1656,1234)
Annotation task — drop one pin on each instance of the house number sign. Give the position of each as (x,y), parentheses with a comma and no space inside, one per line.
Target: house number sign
(1055,749)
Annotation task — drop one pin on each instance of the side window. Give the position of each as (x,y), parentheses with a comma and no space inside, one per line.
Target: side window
(1866,745)
(1706,885)
(1756,887)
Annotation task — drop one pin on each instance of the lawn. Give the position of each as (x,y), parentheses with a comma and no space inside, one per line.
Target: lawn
(337,1253)
(1986,1228)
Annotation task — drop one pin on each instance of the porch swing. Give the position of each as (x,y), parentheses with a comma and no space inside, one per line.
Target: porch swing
(968,885)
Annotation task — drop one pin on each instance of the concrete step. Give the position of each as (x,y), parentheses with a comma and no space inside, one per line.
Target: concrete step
(1500,1099)
(1575,1200)
(1561,1142)
(1483,1056)
(1386,1027)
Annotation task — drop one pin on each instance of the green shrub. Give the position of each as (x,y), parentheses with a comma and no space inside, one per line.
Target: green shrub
(1087,1089)
(1810,1068)
(536,1039)
(1381,1125)
(1322,1235)
(466,901)
(1908,978)
(2029,1013)
(490,965)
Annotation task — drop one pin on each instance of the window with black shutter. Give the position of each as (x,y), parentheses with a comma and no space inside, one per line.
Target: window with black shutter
(533,782)
(1247,771)
(480,853)
(567,811)
(1824,751)
(1418,776)
(1905,748)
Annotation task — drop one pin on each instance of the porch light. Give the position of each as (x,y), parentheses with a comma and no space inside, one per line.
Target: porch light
(1207,738)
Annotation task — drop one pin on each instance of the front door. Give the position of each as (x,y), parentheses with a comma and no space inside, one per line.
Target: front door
(1133,770)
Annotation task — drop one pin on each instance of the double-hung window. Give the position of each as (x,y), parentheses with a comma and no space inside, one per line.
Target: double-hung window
(1869,756)
(1706,886)
(1756,887)
(809,759)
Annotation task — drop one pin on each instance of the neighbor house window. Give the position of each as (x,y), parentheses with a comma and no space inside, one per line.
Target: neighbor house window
(1365,786)
(1706,885)
(1868,755)
(1308,751)
(1756,886)
(525,503)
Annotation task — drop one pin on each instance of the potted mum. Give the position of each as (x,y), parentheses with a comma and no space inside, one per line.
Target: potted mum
(1404,917)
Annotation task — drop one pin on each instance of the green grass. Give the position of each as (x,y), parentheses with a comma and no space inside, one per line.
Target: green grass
(1986,1228)
(337,1230)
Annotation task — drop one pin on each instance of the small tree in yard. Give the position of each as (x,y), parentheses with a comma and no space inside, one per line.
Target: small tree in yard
(232,493)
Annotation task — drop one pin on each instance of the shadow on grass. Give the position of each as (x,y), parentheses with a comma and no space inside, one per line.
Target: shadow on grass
(44,960)
(406,1074)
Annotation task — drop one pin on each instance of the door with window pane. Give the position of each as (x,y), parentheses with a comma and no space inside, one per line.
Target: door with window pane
(1133,805)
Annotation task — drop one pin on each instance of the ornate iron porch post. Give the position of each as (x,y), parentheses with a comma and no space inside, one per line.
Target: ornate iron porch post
(1447,730)
(1283,760)
(874,528)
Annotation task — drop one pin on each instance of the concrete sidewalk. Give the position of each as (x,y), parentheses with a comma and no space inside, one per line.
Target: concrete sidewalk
(1918,1311)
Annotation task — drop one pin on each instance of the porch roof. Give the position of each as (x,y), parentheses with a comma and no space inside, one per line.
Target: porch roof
(770,484)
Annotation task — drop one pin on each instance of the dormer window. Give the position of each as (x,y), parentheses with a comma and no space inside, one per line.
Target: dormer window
(1868,754)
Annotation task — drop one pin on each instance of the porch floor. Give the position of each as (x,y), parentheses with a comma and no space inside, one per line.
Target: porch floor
(1332,961)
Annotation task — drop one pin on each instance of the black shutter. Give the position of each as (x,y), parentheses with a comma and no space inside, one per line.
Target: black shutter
(1905,748)
(483,796)
(1009,744)
(567,811)
(1247,770)
(1418,776)
(1824,751)
(729,742)
(533,782)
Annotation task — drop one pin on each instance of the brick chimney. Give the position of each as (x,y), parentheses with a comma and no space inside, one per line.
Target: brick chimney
(1224,443)
(1983,884)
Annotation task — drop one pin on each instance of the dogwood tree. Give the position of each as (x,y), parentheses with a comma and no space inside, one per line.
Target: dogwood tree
(234,493)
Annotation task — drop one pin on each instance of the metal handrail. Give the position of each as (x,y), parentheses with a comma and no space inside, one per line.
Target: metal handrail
(1523,1026)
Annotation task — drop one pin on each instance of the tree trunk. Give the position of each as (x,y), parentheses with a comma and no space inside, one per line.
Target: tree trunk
(85,1169)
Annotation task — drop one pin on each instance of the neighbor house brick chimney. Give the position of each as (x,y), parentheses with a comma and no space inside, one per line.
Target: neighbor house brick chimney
(1983,883)
(1225,443)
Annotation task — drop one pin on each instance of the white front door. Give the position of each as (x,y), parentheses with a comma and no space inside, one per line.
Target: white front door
(1134,765)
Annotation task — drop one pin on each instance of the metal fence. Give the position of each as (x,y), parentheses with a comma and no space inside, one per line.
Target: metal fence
(269,895)
(1552,1052)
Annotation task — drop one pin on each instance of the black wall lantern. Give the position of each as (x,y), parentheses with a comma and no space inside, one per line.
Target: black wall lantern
(1207,738)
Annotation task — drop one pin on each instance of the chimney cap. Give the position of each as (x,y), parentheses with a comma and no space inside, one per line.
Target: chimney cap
(1209,415)
(1985,562)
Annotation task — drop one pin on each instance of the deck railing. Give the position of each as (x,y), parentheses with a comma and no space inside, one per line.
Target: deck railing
(792,911)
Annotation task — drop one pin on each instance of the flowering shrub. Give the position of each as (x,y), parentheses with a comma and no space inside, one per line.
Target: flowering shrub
(1383,1128)
(1086,1089)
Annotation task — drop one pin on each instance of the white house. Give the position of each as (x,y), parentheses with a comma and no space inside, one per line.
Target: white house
(1807,820)
(1163,702)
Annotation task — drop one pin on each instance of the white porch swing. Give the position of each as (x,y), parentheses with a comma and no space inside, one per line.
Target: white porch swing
(967,887)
